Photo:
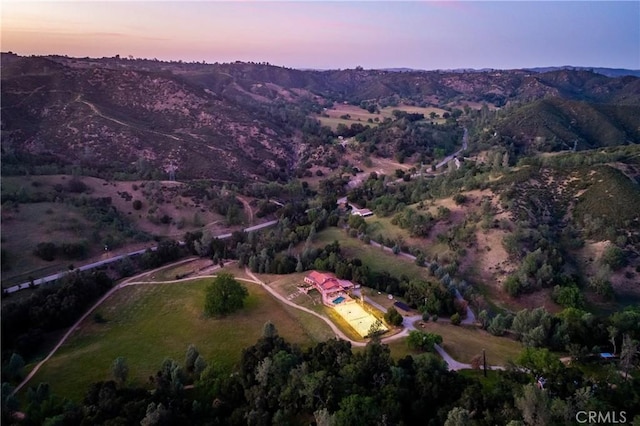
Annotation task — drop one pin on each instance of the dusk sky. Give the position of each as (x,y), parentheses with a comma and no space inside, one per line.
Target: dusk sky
(334,34)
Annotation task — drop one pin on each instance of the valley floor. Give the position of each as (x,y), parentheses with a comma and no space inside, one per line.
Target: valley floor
(84,342)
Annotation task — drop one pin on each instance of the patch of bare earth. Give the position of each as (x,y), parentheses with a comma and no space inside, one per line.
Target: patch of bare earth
(492,260)
(590,254)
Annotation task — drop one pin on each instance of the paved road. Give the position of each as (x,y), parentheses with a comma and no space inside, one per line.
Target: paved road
(86,267)
(97,264)
(445,160)
(408,323)
(452,363)
(465,145)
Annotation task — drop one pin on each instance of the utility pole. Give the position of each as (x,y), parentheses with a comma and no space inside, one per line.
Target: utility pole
(484,362)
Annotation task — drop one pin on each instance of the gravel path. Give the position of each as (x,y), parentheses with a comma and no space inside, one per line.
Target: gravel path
(408,322)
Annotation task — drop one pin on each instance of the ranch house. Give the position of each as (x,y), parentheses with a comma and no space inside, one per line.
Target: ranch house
(327,283)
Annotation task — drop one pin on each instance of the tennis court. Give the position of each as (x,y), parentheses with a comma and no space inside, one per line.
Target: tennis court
(357,317)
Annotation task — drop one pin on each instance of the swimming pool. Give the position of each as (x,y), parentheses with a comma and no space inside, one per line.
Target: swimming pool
(337,300)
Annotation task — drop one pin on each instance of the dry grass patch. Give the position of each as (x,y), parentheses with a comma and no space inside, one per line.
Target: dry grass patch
(35,223)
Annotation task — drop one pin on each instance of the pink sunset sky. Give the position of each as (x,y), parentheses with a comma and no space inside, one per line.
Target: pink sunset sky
(334,34)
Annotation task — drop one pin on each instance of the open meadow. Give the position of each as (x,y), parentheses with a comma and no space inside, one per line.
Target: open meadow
(148,323)
(350,114)
(464,342)
(377,259)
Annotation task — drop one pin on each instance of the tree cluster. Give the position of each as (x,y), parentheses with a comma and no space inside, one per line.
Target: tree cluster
(49,308)
(279,383)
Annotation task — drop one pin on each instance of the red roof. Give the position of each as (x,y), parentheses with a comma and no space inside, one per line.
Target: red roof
(327,282)
(319,277)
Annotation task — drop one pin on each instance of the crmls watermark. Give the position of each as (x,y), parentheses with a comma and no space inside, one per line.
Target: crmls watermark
(601,417)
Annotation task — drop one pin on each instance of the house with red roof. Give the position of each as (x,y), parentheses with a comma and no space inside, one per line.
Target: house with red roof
(327,283)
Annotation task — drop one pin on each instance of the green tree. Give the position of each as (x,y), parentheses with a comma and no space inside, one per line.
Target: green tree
(540,362)
(190,358)
(628,353)
(455,319)
(457,417)
(357,410)
(156,415)
(483,319)
(224,295)
(269,330)
(199,366)
(10,402)
(534,406)
(614,257)
(46,251)
(423,341)
(120,370)
(15,366)
(375,330)
(568,296)
(393,317)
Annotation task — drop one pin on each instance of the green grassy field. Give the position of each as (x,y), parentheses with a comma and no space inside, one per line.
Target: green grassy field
(400,349)
(383,226)
(147,323)
(377,259)
(463,343)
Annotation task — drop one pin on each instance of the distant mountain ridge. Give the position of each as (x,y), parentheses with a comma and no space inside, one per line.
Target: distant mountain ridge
(257,121)
(609,72)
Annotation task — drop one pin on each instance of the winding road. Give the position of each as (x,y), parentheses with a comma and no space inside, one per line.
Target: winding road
(99,263)
(408,322)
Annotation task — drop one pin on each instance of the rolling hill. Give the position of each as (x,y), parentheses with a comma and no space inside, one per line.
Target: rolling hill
(247,121)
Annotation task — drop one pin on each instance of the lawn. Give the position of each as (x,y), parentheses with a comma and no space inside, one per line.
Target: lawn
(463,343)
(147,323)
(287,286)
(374,257)
(400,349)
(382,226)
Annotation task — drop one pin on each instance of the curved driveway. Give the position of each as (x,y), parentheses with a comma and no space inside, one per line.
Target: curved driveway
(408,322)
